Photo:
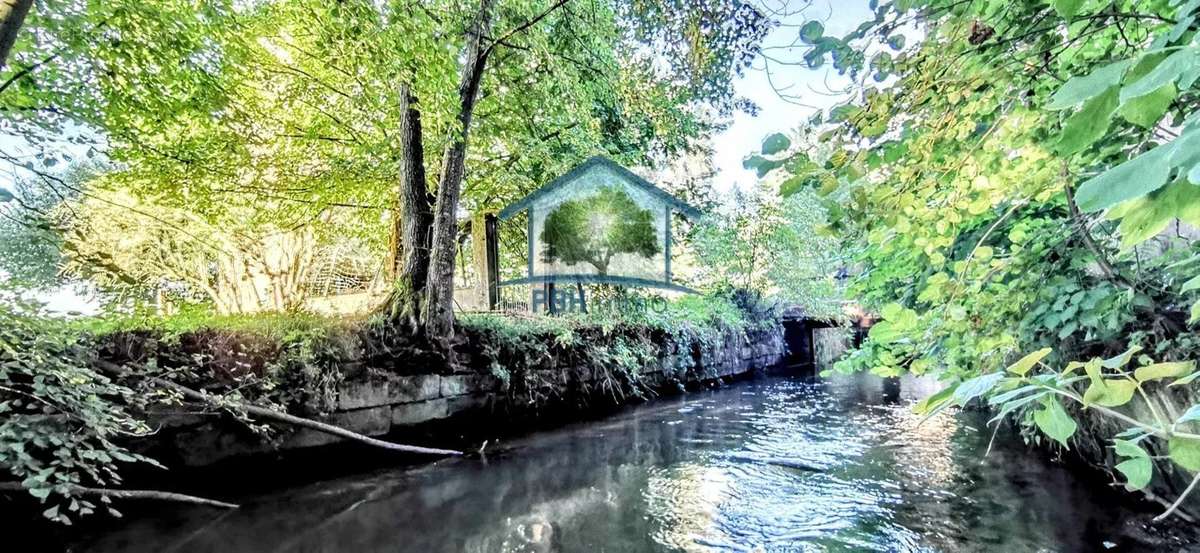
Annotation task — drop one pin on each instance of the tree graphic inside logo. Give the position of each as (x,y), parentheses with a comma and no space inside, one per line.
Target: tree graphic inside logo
(596,228)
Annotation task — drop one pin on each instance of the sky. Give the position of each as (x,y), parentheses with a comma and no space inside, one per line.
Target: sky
(777,114)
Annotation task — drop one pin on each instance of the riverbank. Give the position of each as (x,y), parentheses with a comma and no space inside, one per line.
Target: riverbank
(178,393)
(380,401)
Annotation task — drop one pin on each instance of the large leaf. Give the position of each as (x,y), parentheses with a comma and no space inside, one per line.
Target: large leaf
(1022,366)
(1145,217)
(1191,415)
(1067,8)
(1088,124)
(1163,370)
(1147,110)
(1185,452)
(1012,405)
(1118,361)
(935,403)
(1134,178)
(975,387)
(1189,378)
(1138,468)
(1129,448)
(1079,89)
(1110,393)
(1137,471)
(1166,72)
(1054,421)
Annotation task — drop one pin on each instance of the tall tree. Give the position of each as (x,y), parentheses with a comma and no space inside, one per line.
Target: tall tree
(12,16)
(438,311)
(412,222)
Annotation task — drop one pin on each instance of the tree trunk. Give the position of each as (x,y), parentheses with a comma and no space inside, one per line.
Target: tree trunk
(12,16)
(438,312)
(409,257)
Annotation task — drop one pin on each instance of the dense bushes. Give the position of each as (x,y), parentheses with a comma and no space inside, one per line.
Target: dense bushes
(616,344)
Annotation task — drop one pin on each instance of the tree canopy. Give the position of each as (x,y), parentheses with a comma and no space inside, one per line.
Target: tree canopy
(283,116)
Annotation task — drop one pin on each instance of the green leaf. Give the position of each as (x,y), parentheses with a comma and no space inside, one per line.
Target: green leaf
(1137,471)
(975,387)
(885,332)
(1129,448)
(1022,366)
(1192,284)
(896,42)
(1054,421)
(1184,452)
(775,143)
(1094,371)
(811,31)
(1163,370)
(1134,178)
(1166,72)
(1088,124)
(1146,111)
(1145,217)
(1079,89)
(1121,360)
(935,403)
(1186,380)
(1110,393)
(1067,8)
(1192,414)
(1010,395)
(5,195)
(1010,406)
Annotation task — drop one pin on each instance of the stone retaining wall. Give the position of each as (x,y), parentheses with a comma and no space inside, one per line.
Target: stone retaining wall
(378,402)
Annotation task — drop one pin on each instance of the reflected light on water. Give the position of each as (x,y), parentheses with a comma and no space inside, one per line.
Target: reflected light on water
(685,501)
(772,465)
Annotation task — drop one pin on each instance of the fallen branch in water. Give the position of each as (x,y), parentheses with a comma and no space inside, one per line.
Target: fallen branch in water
(270,414)
(131,494)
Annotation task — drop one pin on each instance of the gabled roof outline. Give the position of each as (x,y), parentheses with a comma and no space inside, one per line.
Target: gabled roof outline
(594,161)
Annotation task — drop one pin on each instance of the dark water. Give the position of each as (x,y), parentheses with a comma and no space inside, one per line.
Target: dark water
(766,465)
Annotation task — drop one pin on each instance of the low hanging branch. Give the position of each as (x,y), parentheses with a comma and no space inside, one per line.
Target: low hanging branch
(131,494)
(272,415)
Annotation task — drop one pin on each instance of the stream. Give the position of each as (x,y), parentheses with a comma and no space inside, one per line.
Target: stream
(770,464)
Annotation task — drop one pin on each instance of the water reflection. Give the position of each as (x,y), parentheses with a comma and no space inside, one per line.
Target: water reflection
(770,465)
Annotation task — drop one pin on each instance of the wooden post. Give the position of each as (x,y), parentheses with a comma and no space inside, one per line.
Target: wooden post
(491,233)
(667,246)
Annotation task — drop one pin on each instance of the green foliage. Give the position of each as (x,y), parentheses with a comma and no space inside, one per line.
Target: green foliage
(618,345)
(233,123)
(595,229)
(61,422)
(1021,186)
(31,232)
(776,247)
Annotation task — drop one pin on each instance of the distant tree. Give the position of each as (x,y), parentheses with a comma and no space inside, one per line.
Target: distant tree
(597,228)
